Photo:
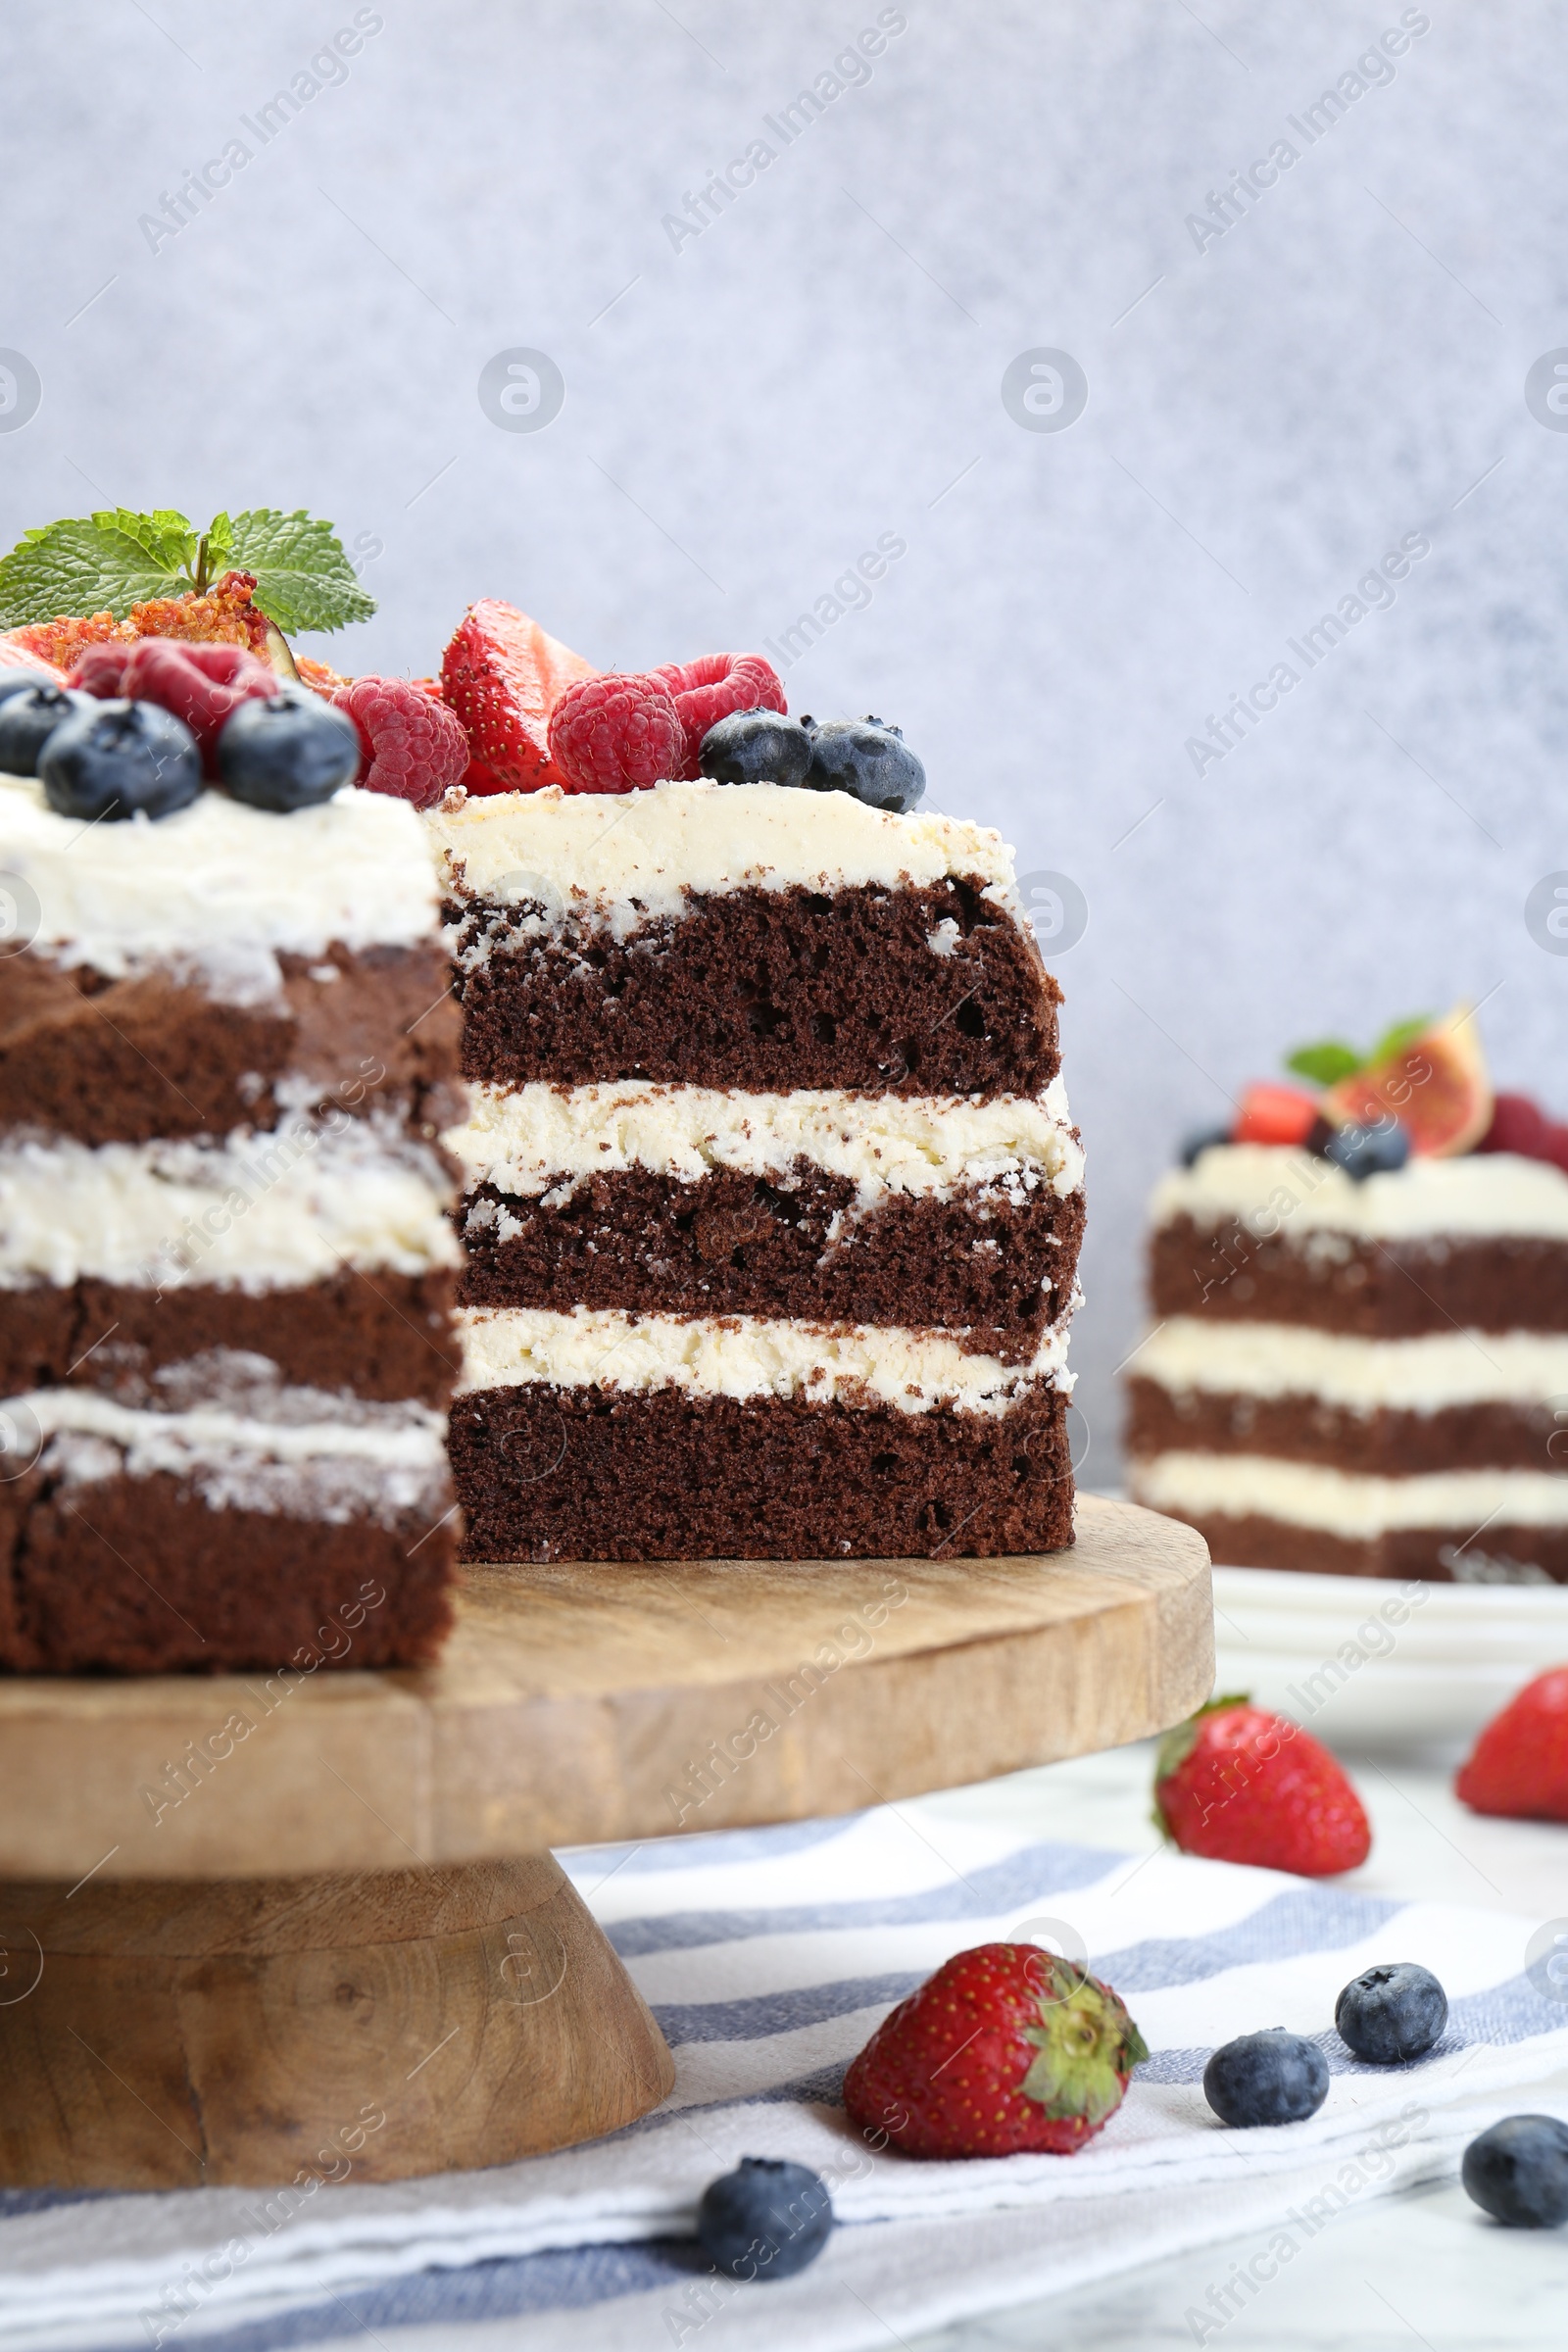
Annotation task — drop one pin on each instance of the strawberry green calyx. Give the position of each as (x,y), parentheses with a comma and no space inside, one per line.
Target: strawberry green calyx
(1085,2047)
(1179,1743)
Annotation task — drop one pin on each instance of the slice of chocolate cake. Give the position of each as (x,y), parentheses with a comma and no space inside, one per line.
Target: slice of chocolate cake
(226,1054)
(773,1202)
(1358,1362)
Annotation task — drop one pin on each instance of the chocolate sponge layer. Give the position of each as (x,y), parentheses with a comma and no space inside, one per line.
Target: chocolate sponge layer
(547,1473)
(729,1244)
(1376,1290)
(769,990)
(110,1061)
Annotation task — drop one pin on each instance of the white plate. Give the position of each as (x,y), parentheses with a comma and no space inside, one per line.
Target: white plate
(1376,1664)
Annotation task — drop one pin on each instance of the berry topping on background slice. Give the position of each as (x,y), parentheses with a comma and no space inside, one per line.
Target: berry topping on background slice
(288,752)
(1428,1075)
(1267,2077)
(502,675)
(28,718)
(1519,1764)
(1521,1126)
(1005,2049)
(867,757)
(756,747)
(411,744)
(1275,1114)
(121,759)
(616,734)
(707,690)
(200,684)
(1239,1784)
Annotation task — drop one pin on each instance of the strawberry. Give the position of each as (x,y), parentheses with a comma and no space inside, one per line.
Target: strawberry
(710,689)
(615,734)
(503,676)
(1006,2049)
(1240,1785)
(1275,1114)
(1519,1764)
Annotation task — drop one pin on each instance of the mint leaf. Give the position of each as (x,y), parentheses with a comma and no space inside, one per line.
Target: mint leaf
(1404,1033)
(303,578)
(107,561)
(1325,1063)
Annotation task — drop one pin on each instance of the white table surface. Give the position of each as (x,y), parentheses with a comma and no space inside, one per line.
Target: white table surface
(1422,2268)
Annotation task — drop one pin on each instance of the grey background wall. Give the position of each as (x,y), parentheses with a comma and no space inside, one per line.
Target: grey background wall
(747,409)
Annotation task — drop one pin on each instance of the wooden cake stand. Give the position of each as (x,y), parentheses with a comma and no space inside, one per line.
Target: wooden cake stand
(263,1928)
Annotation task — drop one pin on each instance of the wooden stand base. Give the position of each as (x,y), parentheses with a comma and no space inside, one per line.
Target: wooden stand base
(169,2034)
(165,2021)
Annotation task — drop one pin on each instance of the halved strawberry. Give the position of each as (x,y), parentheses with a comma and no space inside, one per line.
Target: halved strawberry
(1275,1114)
(502,675)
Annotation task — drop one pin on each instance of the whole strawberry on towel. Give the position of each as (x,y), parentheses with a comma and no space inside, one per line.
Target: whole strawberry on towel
(1006,2050)
(1240,1785)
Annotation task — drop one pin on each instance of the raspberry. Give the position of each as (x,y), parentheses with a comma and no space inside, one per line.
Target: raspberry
(502,675)
(615,734)
(200,683)
(708,690)
(414,747)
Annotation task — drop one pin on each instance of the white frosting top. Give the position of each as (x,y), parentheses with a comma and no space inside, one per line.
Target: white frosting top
(217,888)
(748,1356)
(1351,1505)
(532,1138)
(263,1211)
(1273,1190)
(1288,1359)
(591,853)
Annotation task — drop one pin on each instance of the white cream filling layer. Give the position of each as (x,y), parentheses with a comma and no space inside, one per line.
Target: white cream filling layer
(1275,1190)
(746,1357)
(1307,1495)
(395,1436)
(633,857)
(216,890)
(295,1205)
(533,1139)
(1284,1360)
(382,1466)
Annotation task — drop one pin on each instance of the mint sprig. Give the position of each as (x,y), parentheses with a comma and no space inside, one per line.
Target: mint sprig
(112,559)
(1331,1058)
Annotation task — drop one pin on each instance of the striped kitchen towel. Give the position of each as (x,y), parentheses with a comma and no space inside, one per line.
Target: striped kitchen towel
(768,1956)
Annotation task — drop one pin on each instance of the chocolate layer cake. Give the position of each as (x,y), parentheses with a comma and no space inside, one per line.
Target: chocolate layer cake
(225,1253)
(1367,1377)
(773,1202)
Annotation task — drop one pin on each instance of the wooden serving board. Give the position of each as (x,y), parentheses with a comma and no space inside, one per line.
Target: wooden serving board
(579,1703)
(293,1928)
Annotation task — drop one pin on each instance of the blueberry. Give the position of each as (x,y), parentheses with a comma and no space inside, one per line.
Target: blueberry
(1272,2078)
(27,720)
(1199,1140)
(287,751)
(1518,2171)
(1391,2013)
(118,759)
(1364,1151)
(17,681)
(766,2220)
(864,757)
(756,747)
